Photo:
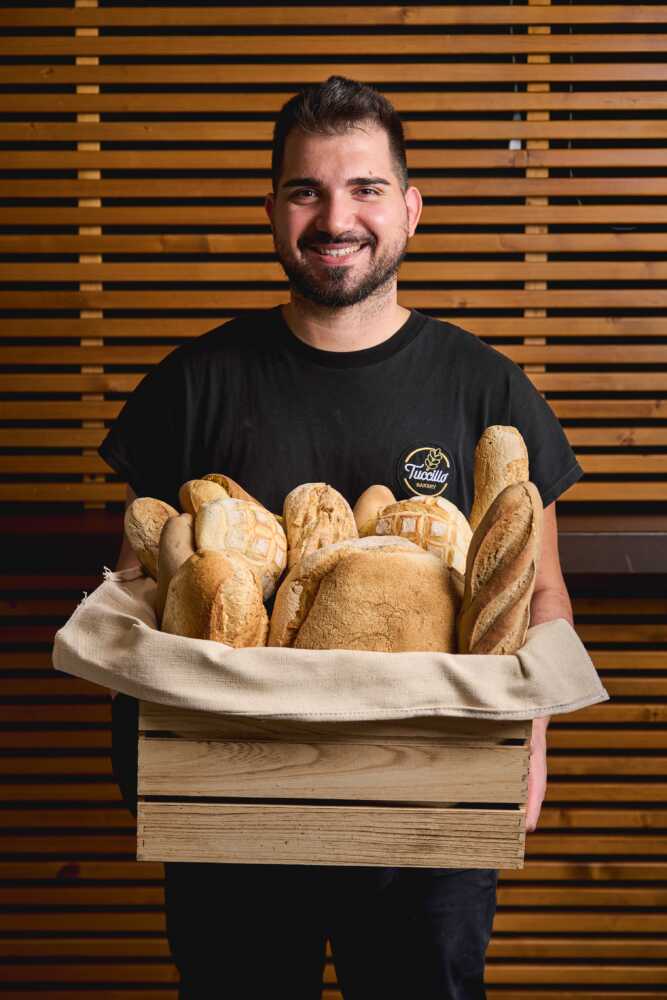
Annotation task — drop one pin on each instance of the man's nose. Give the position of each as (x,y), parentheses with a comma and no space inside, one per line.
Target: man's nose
(336,214)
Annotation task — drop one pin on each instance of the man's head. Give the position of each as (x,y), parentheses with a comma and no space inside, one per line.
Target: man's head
(341,209)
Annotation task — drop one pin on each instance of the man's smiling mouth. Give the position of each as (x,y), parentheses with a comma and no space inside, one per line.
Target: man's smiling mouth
(336,251)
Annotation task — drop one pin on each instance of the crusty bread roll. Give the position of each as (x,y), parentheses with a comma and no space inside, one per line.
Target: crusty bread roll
(215,595)
(196,492)
(315,515)
(176,545)
(433,523)
(246,527)
(368,507)
(500,574)
(382,594)
(501,459)
(231,487)
(143,521)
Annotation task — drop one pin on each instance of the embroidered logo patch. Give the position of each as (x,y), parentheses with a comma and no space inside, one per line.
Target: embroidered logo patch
(425,471)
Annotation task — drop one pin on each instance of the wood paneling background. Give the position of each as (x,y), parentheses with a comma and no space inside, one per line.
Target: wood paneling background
(134,156)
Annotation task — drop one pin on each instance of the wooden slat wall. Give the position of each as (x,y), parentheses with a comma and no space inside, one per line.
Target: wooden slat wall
(135,154)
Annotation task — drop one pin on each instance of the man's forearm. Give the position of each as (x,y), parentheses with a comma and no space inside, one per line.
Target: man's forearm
(546,606)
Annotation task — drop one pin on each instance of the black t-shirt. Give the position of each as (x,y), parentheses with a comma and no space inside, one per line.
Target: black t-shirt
(252,401)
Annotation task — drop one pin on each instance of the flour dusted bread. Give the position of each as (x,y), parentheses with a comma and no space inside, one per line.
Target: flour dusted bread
(196,492)
(369,506)
(500,573)
(433,523)
(501,459)
(143,522)
(246,527)
(215,595)
(381,594)
(315,515)
(176,545)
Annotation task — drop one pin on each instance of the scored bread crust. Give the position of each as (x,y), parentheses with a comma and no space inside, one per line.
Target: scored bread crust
(433,523)
(215,595)
(143,521)
(248,528)
(501,572)
(501,458)
(383,594)
(315,515)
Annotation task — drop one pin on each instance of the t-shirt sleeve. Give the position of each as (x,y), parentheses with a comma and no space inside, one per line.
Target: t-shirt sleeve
(145,444)
(553,464)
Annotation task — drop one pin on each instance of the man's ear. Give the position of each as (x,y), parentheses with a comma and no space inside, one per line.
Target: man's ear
(268,206)
(414,205)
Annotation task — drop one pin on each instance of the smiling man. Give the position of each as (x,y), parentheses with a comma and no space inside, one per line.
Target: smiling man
(343,385)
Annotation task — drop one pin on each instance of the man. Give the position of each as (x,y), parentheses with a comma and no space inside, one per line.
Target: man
(341,385)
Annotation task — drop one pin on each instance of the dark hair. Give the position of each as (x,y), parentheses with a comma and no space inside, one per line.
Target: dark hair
(334,106)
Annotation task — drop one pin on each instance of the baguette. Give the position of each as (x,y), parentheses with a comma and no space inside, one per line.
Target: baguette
(500,573)
(501,459)
(176,545)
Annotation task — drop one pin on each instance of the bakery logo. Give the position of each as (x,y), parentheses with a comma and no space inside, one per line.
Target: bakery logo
(425,471)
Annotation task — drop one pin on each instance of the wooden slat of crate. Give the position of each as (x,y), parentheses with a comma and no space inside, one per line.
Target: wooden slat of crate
(434,767)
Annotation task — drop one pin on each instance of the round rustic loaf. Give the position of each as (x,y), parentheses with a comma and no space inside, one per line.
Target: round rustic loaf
(433,523)
(382,594)
(144,520)
(315,515)
(246,527)
(215,595)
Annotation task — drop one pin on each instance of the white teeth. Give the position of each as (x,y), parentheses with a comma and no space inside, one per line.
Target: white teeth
(345,252)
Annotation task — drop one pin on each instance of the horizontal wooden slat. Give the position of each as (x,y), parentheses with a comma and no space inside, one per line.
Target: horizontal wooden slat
(164,244)
(496,327)
(266,16)
(309,46)
(372,73)
(329,835)
(432,271)
(54,102)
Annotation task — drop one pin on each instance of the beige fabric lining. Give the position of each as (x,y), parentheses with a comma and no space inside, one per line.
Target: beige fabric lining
(112,640)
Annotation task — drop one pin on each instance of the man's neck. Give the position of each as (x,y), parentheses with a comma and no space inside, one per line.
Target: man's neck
(349,329)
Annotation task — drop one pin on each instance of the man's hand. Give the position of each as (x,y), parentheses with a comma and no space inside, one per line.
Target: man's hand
(537,775)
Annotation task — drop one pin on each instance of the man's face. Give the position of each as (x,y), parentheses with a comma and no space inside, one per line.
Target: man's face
(340,219)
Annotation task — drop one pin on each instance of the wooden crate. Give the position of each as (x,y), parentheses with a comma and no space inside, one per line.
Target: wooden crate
(428,792)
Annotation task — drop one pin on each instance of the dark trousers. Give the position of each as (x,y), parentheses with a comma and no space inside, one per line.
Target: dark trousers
(245,932)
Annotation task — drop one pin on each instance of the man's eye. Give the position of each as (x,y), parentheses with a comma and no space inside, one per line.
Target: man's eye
(368,191)
(303,192)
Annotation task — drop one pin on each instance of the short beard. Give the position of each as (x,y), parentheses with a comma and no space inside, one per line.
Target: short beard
(331,291)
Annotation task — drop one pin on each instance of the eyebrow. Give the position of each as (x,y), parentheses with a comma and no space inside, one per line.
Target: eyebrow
(314,182)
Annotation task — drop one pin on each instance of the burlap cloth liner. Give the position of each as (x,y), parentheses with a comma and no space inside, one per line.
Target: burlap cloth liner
(112,639)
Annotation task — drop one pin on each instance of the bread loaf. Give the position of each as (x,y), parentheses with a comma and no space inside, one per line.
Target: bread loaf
(176,545)
(500,573)
(215,595)
(382,594)
(230,487)
(433,523)
(368,507)
(143,521)
(196,492)
(315,515)
(246,527)
(501,459)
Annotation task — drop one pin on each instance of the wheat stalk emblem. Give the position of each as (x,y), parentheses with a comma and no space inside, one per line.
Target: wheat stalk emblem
(433,459)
